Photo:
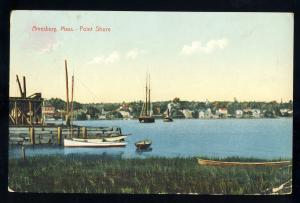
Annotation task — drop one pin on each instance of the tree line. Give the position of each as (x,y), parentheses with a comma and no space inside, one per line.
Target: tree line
(159,107)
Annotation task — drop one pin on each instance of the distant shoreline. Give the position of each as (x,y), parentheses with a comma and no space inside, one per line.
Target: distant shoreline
(181,119)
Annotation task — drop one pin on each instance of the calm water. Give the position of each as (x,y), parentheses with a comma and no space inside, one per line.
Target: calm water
(261,138)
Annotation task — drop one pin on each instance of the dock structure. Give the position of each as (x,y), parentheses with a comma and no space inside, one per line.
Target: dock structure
(23,110)
(26,124)
(54,134)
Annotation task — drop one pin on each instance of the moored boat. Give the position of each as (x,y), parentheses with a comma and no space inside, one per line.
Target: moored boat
(145,116)
(168,118)
(143,144)
(92,143)
(106,139)
(146,119)
(246,164)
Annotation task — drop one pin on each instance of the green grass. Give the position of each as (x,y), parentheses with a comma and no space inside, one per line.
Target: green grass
(97,174)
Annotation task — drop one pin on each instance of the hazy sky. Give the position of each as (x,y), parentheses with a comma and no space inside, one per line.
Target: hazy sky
(193,56)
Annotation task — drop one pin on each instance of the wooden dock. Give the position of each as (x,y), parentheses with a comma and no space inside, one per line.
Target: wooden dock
(55,134)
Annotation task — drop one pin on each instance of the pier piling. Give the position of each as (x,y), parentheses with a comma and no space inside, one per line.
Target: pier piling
(23,153)
(78,132)
(59,135)
(84,132)
(32,135)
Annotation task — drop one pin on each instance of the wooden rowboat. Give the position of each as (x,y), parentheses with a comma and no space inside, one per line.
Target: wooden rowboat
(143,144)
(95,143)
(246,164)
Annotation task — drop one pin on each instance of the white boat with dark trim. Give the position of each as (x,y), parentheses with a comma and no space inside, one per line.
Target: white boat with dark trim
(92,143)
(106,139)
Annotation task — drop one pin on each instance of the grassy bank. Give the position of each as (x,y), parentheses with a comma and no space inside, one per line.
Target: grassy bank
(151,175)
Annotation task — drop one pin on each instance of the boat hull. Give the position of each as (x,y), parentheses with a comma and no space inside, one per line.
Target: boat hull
(95,143)
(243,164)
(100,140)
(168,119)
(144,144)
(146,119)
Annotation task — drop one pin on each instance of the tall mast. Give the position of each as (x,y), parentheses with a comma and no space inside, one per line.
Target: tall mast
(24,86)
(72,102)
(67,87)
(149,97)
(146,103)
(22,94)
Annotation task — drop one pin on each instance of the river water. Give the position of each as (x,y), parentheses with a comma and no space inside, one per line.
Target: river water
(259,138)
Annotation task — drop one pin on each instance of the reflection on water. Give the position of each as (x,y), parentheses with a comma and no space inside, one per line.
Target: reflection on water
(261,138)
(49,150)
(141,151)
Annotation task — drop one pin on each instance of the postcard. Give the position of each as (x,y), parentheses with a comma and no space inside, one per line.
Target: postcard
(129,102)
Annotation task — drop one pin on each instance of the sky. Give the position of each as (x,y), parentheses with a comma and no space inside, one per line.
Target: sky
(194,56)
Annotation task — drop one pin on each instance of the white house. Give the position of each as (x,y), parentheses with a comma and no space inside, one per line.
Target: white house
(201,114)
(222,112)
(238,113)
(125,114)
(187,113)
(256,113)
(208,113)
(101,117)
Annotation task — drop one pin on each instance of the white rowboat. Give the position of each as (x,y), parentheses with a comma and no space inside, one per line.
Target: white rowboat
(97,140)
(95,143)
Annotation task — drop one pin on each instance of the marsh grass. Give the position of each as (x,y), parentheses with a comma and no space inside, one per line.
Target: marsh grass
(100,174)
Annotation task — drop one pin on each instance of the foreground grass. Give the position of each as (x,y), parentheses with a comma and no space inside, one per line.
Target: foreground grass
(151,175)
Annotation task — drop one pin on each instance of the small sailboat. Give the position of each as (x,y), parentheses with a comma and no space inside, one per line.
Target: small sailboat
(145,116)
(143,144)
(168,118)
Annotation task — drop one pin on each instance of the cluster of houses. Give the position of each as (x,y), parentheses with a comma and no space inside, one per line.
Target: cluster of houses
(223,113)
(239,113)
(126,112)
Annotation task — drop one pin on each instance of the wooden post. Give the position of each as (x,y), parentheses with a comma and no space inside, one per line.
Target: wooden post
(30,113)
(59,135)
(23,153)
(78,132)
(84,132)
(32,135)
(16,113)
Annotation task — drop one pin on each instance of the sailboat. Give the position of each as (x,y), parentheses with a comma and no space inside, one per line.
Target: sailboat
(113,141)
(145,116)
(168,118)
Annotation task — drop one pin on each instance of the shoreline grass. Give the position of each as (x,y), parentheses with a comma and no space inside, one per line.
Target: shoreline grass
(96,174)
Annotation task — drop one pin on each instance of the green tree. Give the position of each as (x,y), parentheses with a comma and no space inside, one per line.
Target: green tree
(92,111)
(201,105)
(177,114)
(176,100)
(113,115)
(111,106)
(57,103)
(77,105)
(81,116)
